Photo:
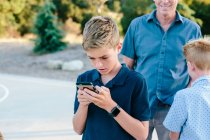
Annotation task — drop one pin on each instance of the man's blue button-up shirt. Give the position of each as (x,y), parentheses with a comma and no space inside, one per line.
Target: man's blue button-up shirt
(159,55)
(190,111)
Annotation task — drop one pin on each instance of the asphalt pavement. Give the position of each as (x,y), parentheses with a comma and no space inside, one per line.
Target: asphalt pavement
(36,108)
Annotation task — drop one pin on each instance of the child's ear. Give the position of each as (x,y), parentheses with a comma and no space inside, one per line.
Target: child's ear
(191,66)
(119,47)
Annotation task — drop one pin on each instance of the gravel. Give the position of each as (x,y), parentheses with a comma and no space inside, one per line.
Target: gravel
(16,57)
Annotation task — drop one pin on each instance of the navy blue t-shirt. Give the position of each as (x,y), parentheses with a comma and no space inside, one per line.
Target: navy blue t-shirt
(128,89)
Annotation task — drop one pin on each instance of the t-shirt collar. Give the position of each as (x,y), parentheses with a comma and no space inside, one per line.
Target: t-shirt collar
(119,79)
(202,78)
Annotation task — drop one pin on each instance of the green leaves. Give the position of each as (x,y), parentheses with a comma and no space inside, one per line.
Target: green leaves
(49,34)
(132,9)
(186,11)
(17,16)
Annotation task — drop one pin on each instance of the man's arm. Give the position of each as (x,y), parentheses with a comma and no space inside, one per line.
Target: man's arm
(128,61)
(174,135)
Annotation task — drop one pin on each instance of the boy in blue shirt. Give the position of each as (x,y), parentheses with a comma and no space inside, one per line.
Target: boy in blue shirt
(121,109)
(189,115)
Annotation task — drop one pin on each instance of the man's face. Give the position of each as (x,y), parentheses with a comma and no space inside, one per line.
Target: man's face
(166,7)
(103,59)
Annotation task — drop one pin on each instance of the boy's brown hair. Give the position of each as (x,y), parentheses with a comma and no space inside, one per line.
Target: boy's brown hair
(198,52)
(100,32)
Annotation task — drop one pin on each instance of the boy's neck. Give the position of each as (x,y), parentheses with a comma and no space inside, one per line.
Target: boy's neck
(108,77)
(201,74)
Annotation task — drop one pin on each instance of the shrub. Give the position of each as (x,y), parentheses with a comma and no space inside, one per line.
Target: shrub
(47,29)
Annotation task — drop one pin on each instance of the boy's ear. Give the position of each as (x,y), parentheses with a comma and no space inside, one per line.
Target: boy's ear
(191,66)
(119,47)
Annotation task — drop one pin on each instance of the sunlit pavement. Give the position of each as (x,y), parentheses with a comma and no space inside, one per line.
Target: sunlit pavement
(36,109)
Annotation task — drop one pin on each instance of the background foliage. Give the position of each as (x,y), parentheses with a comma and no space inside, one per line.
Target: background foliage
(46,27)
(17,16)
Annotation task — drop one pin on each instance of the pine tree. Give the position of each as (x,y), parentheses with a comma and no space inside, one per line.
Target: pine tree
(49,35)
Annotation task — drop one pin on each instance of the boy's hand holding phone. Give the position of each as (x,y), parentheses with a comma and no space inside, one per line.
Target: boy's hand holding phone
(88,85)
(82,99)
(100,96)
(102,100)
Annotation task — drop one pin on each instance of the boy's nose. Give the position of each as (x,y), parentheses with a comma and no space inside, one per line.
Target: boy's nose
(98,64)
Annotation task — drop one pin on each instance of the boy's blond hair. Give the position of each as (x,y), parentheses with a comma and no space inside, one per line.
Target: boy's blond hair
(198,52)
(100,32)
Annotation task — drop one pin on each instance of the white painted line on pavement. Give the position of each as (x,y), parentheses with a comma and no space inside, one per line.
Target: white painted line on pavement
(6,94)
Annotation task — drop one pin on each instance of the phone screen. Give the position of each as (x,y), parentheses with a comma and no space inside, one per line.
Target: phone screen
(83,85)
(89,85)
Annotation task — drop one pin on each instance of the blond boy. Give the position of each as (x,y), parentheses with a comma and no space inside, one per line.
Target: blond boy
(189,116)
(121,109)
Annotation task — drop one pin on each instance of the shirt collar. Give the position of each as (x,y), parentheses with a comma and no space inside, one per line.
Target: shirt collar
(178,17)
(119,79)
(96,75)
(152,16)
(202,79)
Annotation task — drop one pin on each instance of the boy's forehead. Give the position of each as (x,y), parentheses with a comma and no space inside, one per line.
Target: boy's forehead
(99,52)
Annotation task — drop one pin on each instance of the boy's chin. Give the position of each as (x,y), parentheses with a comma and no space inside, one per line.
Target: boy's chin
(103,72)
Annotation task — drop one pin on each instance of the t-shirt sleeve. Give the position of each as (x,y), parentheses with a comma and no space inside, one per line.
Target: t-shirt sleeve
(128,43)
(177,114)
(140,100)
(76,103)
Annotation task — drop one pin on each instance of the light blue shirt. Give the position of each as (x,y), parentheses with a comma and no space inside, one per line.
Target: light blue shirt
(190,111)
(159,55)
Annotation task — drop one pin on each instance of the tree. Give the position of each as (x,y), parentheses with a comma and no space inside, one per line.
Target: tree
(114,5)
(47,29)
(132,9)
(8,10)
(202,12)
(64,9)
(16,16)
(99,4)
(188,12)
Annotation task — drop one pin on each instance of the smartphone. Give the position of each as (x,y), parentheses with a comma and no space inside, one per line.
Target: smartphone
(89,85)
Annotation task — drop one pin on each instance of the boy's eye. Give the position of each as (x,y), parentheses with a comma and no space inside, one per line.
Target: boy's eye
(104,57)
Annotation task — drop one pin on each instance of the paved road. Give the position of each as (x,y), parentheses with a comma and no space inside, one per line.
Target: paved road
(36,109)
